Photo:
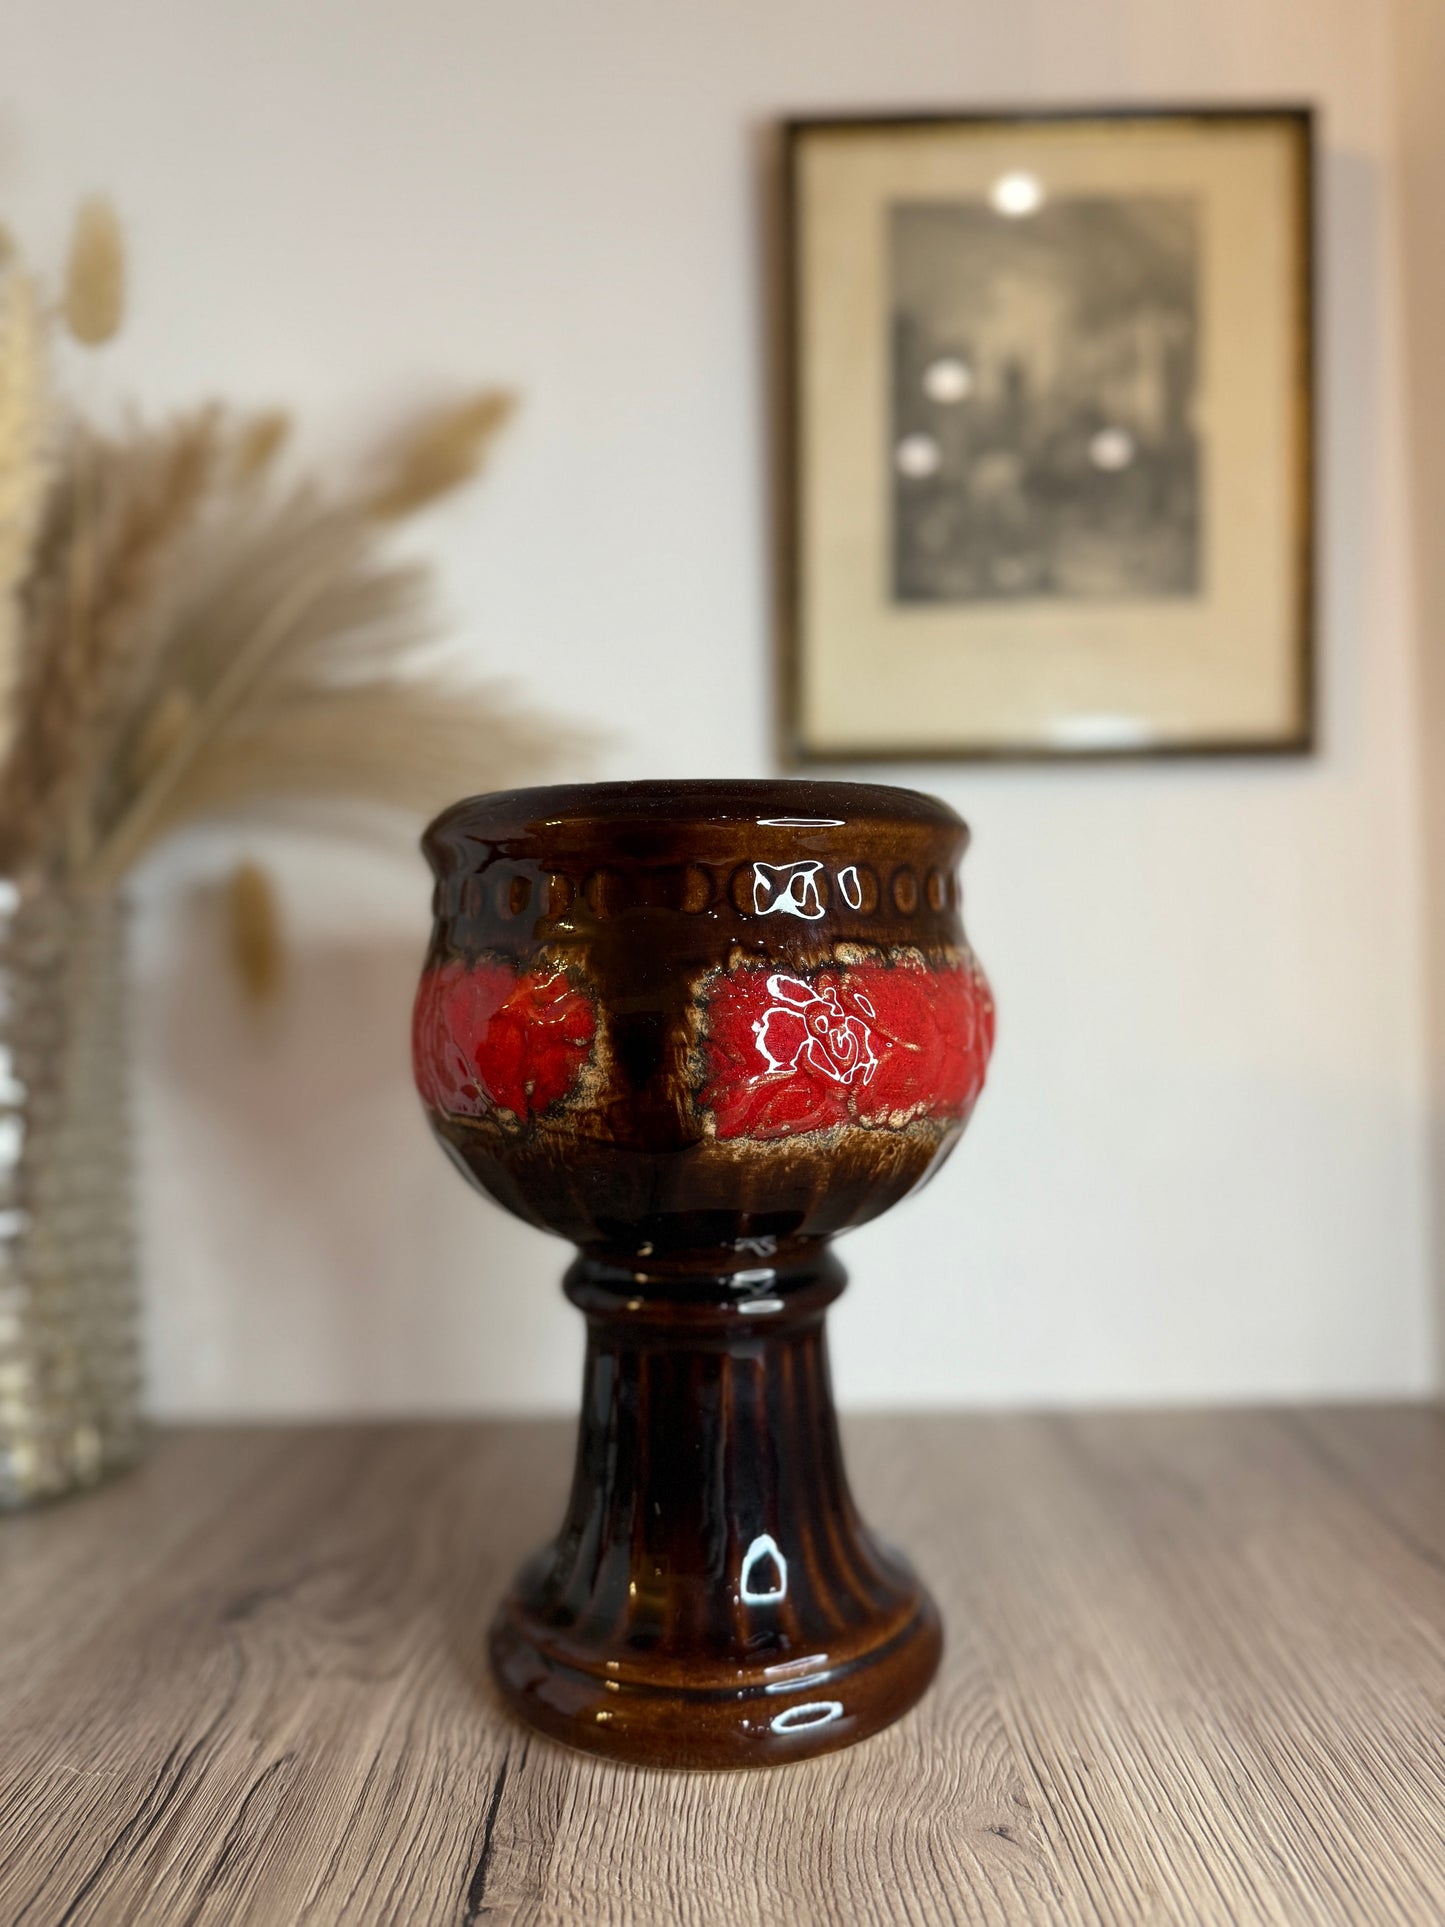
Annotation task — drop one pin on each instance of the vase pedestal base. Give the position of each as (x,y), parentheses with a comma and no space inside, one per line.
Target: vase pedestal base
(713,1598)
(758,1721)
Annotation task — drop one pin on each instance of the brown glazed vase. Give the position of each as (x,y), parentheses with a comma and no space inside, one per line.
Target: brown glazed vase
(698,1029)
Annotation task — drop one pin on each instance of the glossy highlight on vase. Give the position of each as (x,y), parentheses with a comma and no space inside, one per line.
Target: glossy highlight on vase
(698,1029)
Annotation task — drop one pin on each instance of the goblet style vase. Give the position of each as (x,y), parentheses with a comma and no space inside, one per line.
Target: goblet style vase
(698,1029)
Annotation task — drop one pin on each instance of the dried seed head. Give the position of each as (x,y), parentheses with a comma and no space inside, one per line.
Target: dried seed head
(260,442)
(445,451)
(254,917)
(95,274)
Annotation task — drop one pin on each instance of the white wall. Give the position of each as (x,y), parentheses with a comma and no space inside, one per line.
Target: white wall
(1420,68)
(1199,1170)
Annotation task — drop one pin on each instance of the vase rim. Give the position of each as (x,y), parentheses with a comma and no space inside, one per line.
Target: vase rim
(771,801)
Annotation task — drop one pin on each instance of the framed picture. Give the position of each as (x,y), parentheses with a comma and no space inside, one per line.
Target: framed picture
(1048,435)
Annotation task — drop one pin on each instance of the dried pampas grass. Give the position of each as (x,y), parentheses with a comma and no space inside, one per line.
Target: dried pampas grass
(201,640)
(411,747)
(25,434)
(185,632)
(113,523)
(95,274)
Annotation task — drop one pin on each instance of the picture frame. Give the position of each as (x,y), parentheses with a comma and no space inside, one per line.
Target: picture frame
(1047,435)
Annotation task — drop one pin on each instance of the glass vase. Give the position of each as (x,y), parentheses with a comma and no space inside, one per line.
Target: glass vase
(70,1361)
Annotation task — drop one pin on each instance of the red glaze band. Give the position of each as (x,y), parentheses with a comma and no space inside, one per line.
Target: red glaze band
(487,1038)
(875,1044)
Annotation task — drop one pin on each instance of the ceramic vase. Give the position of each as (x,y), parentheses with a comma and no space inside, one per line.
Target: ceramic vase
(698,1030)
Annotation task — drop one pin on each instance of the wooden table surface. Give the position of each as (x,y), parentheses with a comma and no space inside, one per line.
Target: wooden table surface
(1195,1672)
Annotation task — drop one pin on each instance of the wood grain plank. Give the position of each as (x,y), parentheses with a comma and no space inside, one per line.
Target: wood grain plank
(305,1675)
(91,1551)
(1203,1658)
(1392,1457)
(1195,1672)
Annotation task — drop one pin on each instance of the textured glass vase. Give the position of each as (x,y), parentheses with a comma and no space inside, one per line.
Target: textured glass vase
(69,1329)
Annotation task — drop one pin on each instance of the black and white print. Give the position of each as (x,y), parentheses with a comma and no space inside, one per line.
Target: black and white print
(1045,367)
